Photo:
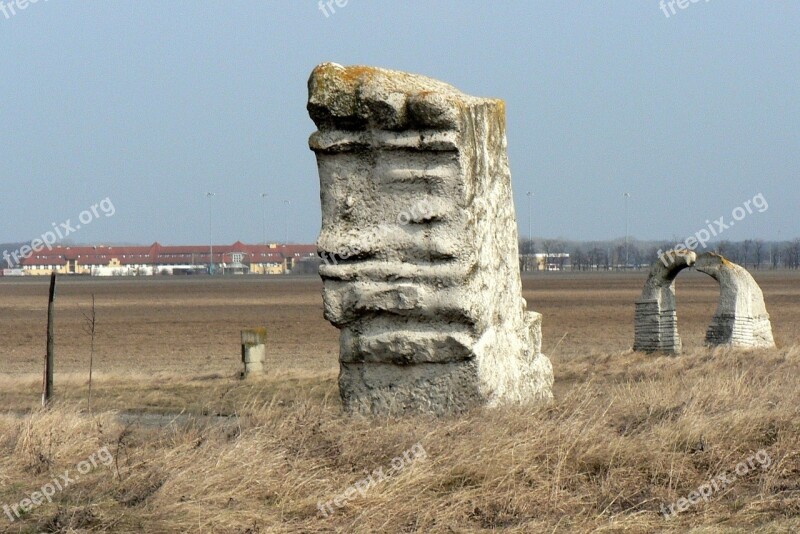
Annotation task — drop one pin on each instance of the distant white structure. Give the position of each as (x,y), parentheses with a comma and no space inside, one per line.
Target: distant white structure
(554,261)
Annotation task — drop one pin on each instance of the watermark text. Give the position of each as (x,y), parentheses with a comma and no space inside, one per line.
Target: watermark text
(60,231)
(719,226)
(60,483)
(668,6)
(377,476)
(720,482)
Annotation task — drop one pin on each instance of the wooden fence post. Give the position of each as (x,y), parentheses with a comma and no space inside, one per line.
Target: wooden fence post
(49,360)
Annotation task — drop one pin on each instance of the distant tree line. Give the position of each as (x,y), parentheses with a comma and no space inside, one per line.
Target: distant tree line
(614,255)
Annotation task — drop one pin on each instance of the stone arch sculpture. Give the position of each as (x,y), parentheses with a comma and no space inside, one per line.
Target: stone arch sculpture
(656,314)
(741,319)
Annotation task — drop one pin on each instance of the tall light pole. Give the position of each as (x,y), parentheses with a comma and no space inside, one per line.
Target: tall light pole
(530,228)
(210,235)
(288,207)
(264,218)
(626,196)
(530,215)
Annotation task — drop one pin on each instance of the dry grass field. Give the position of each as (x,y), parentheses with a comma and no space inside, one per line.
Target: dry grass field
(175,442)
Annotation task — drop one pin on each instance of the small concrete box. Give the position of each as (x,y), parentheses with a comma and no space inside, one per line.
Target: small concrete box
(254,350)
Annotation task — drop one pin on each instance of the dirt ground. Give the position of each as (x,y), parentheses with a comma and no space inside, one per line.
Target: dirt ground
(190,325)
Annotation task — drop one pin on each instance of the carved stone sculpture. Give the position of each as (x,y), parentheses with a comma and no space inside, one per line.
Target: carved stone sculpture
(419,242)
(656,315)
(741,319)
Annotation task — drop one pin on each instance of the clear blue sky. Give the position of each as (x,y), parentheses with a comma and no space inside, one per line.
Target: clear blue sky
(153,104)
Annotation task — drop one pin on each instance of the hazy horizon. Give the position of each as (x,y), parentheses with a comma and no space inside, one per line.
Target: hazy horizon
(152,107)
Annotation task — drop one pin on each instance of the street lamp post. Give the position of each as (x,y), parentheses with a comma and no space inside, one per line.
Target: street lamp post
(288,208)
(530,226)
(264,218)
(210,235)
(530,215)
(627,196)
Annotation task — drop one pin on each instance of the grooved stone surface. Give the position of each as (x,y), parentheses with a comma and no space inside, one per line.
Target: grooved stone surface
(419,245)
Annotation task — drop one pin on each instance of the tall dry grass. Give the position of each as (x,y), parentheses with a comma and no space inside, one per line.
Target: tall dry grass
(627,434)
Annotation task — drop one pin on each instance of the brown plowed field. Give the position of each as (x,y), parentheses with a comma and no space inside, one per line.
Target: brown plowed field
(191,324)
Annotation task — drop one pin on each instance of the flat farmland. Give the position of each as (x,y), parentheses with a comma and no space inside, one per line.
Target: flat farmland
(190,325)
(198,450)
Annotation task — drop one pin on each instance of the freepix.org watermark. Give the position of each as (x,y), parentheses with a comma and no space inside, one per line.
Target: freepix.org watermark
(421,211)
(704,235)
(327,5)
(60,483)
(377,476)
(12,7)
(668,6)
(720,482)
(59,232)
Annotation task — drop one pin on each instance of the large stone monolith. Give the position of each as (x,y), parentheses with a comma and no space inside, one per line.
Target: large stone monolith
(419,243)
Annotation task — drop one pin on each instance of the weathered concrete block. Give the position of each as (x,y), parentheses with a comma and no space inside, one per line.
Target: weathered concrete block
(254,351)
(419,243)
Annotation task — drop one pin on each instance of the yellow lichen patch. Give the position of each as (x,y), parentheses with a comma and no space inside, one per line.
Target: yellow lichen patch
(501,111)
(351,74)
(725,261)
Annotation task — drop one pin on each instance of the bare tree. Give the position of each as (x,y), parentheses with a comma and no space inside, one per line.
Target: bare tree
(90,326)
(758,252)
(547,249)
(559,248)
(598,256)
(775,255)
(636,255)
(724,248)
(595,258)
(579,259)
(527,246)
(794,253)
(746,246)
(527,250)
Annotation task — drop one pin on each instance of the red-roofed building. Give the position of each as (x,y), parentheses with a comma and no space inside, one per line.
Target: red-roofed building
(238,258)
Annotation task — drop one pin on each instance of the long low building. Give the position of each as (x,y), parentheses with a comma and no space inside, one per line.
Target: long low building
(160,259)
